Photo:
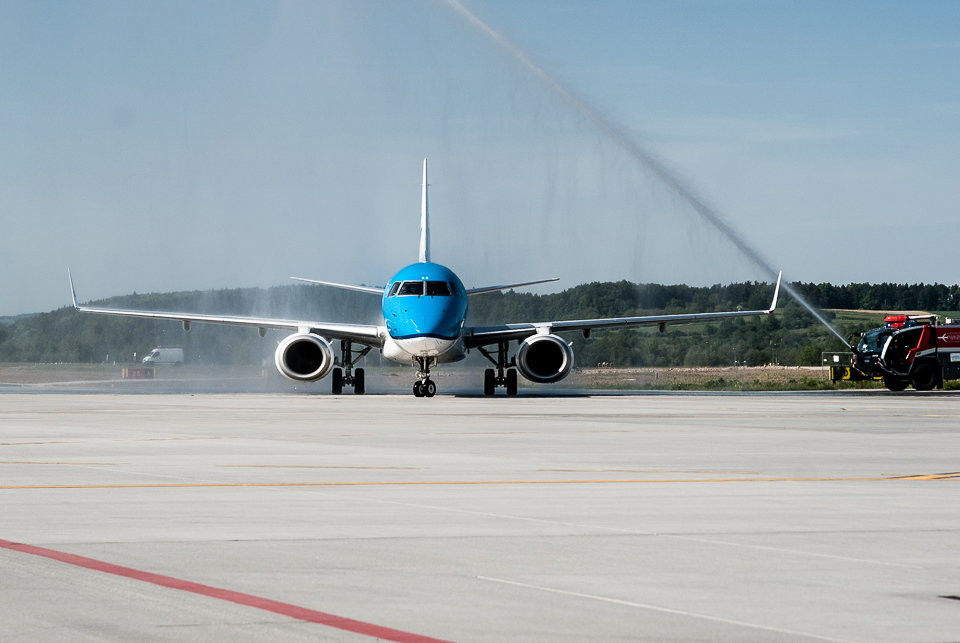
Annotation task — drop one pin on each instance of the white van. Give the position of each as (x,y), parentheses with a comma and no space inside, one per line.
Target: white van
(165,355)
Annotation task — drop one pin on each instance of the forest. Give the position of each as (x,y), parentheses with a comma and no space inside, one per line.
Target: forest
(791,336)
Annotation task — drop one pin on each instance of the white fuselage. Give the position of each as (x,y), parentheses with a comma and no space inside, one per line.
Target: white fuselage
(440,350)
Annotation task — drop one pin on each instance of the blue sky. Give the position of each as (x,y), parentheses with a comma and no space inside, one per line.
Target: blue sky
(189,145)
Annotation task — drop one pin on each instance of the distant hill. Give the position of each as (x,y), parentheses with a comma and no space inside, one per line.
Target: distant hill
(15,318)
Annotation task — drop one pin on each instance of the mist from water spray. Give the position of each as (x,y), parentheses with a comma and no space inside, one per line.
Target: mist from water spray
(645,159)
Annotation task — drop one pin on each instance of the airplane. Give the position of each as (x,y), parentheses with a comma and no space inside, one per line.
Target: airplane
(424,310)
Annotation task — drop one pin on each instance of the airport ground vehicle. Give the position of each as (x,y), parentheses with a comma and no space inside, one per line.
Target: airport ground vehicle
(909,350)
(164,355)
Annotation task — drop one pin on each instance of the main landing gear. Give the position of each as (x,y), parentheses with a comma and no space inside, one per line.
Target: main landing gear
(424,386)
(505,374)
(347,375)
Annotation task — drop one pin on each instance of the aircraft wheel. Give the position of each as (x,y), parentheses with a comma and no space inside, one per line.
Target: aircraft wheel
(895,383)
(429,389)
(336,385)
(417,389)
(359,386)
(489,382)
(924,377)
(512,381)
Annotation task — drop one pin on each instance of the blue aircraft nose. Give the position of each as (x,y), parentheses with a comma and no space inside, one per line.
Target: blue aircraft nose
(425,300)
(424,319)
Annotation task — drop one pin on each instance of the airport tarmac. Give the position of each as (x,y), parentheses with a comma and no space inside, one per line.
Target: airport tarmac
(250,517)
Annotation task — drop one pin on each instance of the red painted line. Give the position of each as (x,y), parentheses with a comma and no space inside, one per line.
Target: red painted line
(258,602)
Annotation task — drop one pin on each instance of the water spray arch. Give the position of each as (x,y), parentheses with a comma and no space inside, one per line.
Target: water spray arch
(647,161)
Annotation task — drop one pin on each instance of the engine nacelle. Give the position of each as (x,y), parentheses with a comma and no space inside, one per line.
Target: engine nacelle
(304,357)
(544,359)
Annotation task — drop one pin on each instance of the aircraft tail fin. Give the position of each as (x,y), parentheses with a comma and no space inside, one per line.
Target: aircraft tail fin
(424,219)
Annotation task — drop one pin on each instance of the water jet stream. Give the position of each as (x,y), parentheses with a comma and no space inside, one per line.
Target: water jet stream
(621,137)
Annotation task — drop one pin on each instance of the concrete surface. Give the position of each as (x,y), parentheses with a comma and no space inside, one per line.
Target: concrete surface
(656,517)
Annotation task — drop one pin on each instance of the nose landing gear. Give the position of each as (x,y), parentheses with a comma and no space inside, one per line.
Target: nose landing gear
(424,386)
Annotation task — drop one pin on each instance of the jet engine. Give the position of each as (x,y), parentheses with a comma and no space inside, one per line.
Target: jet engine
(544,358)
(304,357)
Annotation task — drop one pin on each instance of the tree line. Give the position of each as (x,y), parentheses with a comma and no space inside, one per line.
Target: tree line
(790,337)
(884,296)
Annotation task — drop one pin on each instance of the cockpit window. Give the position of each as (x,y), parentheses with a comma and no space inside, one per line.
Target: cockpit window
(438,289)
(432,288)
(411,288)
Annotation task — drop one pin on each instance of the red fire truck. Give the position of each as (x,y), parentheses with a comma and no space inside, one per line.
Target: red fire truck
(910,350)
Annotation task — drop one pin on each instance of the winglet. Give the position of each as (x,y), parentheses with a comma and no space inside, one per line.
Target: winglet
(73,291)
(424,220)
(776,294)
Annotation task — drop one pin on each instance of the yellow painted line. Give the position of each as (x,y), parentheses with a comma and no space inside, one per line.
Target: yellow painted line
(167,485)
(738,473)
(314,466)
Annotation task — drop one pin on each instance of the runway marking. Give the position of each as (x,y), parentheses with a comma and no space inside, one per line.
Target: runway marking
(249,600)
(622,530)
(790,551)
(659,608)
(414,483)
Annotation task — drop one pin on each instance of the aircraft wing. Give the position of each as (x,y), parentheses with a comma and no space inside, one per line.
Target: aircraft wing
(483,335)
(361,333)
